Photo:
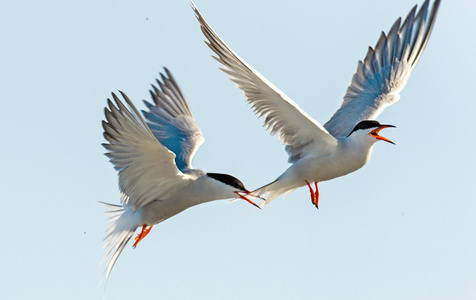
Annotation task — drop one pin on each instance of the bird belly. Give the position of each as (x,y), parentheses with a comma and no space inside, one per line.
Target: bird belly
(195,192)
(160,210)
(316,169)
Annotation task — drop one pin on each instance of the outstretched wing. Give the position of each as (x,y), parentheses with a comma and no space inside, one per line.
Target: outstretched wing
(382,75)
(172,122)
(282,116)
(147,170)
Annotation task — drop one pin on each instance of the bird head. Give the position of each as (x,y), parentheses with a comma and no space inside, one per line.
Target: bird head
(236,185)
(369,130)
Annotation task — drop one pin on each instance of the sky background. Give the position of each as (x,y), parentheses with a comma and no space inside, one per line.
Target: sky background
(403,227)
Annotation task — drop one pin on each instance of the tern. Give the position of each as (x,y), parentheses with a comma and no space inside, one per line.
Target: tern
(344,144)
(153,159)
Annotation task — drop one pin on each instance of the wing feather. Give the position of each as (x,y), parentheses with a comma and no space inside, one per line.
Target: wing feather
(147,171)
(382,75)
(171,121)
(282,116)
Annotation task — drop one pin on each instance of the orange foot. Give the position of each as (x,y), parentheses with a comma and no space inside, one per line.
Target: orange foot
(314,194)
(145,231)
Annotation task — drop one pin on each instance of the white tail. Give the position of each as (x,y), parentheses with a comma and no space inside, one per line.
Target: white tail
(269,192)
(272,191)
(122,224)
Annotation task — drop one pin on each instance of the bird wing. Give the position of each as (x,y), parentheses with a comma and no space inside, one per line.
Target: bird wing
(172,122)
(382,75)
(147,171)
(282,116)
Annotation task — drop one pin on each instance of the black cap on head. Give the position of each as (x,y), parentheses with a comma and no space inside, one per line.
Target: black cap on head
(228,179)
(366,124)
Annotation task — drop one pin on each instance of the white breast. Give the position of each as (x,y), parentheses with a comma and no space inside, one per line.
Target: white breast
(347,157)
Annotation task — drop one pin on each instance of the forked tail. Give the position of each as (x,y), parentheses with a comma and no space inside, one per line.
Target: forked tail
(272,191)
(122,224)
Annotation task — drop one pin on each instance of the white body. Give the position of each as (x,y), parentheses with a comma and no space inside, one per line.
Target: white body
(153,160)
(196,190)
(317,152)
(342,158)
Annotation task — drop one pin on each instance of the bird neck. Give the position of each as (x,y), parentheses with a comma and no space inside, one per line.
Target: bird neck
(357,150)
(207,189)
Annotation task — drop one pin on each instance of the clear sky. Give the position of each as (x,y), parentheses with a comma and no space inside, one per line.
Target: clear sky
(403,227)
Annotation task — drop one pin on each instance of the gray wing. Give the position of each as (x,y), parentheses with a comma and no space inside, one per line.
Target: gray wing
(382,75)
(295,128)
(172,121)
(147,170)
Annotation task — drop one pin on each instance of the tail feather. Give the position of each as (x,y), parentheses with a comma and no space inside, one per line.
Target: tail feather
(272,191)
(288,193)
(122,225)
(269,192)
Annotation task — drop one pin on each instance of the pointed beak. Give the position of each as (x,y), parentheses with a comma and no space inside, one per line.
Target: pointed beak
(248,193)
(375,134)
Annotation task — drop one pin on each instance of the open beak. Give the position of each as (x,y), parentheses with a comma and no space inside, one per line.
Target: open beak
(248,200)
(375,134)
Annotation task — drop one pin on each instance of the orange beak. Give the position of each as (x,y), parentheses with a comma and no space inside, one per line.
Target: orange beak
(375,134)
(248,200)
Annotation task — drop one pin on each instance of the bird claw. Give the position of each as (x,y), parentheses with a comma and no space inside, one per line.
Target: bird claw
(145,231)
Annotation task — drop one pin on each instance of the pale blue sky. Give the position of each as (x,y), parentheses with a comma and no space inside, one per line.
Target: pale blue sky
(403,227)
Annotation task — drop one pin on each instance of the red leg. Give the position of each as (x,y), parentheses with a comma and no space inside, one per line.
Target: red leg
(145,231)
(314,194)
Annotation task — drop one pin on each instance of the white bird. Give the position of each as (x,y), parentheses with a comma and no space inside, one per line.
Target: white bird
(156,178)
(344,144)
